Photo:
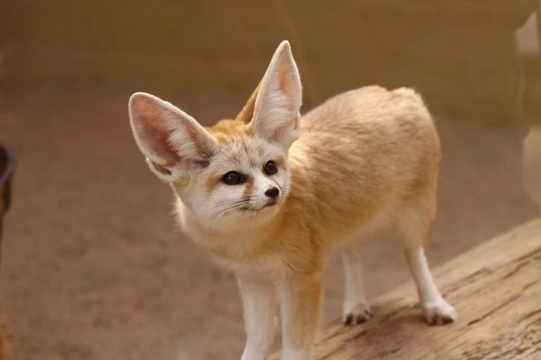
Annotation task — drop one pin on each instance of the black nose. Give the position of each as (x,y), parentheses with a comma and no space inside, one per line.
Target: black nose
(272,192)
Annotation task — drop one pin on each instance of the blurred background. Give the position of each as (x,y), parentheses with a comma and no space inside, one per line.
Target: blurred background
(93,265)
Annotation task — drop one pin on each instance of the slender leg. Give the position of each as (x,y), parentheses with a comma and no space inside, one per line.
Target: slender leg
(300,300)
(356,308)
(437,311)
(413,227)
(259,302)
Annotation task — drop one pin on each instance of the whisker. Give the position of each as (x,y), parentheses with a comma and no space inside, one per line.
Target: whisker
(228,206)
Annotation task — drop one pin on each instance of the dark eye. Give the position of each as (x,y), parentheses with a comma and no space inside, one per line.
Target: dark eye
(233,178)
(270,168)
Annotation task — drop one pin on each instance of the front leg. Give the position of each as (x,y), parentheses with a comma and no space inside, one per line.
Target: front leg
(259,303)
(300,299)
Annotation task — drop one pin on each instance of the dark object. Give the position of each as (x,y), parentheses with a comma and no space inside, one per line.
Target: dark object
(7,168)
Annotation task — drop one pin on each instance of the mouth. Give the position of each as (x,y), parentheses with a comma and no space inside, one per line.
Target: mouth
(267,205)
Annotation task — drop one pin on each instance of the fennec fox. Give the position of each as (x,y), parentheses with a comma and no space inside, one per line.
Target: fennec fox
(271,194)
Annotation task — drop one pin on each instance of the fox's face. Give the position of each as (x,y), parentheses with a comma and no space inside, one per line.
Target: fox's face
(234,174)
(244,184)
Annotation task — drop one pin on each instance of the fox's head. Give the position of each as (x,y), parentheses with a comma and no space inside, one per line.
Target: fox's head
(236,172)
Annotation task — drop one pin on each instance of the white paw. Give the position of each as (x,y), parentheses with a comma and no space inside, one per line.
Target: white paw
(357,314)
(439,313)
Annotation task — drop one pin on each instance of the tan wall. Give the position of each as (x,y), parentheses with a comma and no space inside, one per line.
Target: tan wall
(461,60)
(184,44)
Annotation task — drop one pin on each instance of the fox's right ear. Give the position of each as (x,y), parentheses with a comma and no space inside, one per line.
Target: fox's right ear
(172,141)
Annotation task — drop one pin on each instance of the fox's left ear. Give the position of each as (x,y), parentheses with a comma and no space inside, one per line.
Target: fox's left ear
(279,99)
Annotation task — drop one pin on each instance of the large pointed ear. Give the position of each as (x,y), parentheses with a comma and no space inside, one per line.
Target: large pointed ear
(277,104)
(172,141)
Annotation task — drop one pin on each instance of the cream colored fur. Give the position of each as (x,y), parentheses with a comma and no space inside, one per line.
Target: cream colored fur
(365,159)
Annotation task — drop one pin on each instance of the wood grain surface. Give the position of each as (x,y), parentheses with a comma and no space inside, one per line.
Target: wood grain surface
(496,290)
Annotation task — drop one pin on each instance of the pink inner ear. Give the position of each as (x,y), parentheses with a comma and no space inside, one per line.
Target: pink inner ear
(155,136)
(287,81)
(285,87)
(168,148)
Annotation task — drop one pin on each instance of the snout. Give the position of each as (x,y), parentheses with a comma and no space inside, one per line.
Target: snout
(272,193)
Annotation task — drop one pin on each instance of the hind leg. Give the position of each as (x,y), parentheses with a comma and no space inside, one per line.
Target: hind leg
(436,309)
(356,308)
(414,226)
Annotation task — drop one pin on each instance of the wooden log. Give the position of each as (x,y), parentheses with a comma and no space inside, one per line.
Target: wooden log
(496,290)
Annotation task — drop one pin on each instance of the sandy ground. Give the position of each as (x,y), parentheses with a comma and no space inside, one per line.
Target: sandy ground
(94,267)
